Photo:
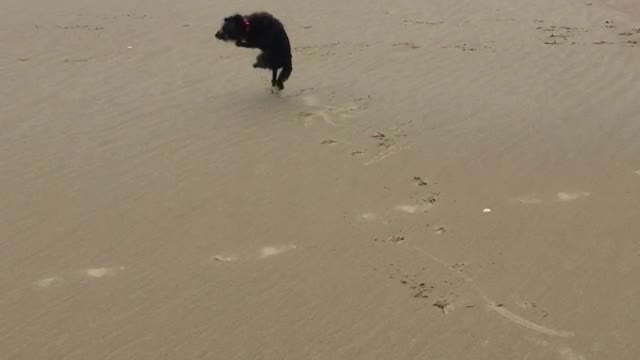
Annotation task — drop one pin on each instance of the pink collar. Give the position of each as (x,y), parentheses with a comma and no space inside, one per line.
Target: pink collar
(245,22)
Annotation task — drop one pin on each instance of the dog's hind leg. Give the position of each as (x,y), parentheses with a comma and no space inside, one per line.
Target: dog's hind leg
(284,75)
(274,76)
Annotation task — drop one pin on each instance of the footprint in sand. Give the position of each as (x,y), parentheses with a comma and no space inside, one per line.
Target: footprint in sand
(48,282)
(329,113)
(412,209)
(418,181)
(571,196)
(369,216)
(396,239)
(533,199)
(270,251)
(386,145)
(440,230)
(406,45)
(224,258)
(391,150)
(529,199)
(97,273)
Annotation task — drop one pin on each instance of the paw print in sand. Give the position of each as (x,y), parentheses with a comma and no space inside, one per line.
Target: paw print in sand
(330,114)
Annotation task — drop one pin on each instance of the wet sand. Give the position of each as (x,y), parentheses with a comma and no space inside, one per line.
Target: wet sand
(439,180)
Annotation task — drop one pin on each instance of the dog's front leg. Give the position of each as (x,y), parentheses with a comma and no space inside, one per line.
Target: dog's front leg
(274,77)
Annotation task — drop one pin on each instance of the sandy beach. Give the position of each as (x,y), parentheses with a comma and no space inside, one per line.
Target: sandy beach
(439,180)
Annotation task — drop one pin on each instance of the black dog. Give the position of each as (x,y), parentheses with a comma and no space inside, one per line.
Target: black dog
(263,31)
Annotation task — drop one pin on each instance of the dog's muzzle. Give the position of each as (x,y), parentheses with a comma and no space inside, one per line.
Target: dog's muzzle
(220,36)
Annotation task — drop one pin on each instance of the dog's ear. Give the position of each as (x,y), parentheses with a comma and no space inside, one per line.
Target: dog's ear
(235,17)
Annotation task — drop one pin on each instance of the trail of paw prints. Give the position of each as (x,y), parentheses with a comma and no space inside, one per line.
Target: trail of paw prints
(80,27)
(299,92)
(411,22)
(317,50)
(421,200)
(75,61)
(83,275)
(395,239)
(532,308)
(405,45)
(485,45)
(566,35)
(421,194)
(441,295)
(465,47)
(329,142)
(456,289)
(386,144)
(632,37)
(551,35)
(408,22)
(446,287)
(329,49)
(471,47)
(135,16)
(334,142)
(559,35)
(330,114)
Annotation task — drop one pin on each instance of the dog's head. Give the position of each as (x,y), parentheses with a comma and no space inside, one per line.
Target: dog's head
(233,28)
